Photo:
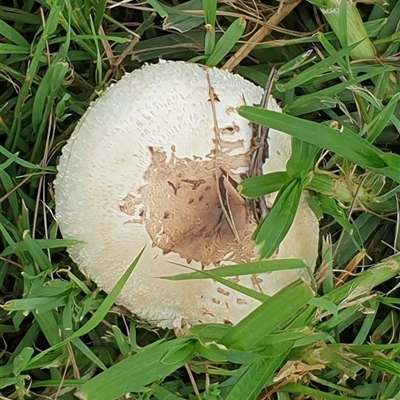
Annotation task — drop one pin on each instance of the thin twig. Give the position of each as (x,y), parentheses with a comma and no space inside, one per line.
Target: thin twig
(258,207)
(285,8)
(221,189)
(192,380)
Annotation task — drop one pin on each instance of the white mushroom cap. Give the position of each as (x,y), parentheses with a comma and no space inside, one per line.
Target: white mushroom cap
(140,169)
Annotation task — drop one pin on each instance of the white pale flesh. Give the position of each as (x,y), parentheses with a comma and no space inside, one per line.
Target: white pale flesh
(164,107)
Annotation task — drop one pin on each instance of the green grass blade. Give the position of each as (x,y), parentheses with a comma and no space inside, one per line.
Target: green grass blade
(158,7)
(263,184)
(367,280)
(363,333)
(49,326)
(9,49)
(49,29)
(313,101)
(256,376)
(302,158)
(329,206)
(263,320)
(20,362)
(345,143)
(363,227)
(36,305)
(321,67)
(250,268)
(42,105)
(379,123)
(41,244)
(226,42)
(315,393)
(134,373)
(270,233)
(36,252)
(343,24)
(232,285)
(210,15)
(160,393)
(21,162)
(349,28)
(100,313)
(181,17)
(294,64)
(11,34)
(386,365)
(85,350)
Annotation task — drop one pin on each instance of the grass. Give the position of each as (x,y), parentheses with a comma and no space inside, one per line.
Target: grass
(338,83)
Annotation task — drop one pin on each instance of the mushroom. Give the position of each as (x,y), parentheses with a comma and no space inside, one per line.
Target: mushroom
(155,161)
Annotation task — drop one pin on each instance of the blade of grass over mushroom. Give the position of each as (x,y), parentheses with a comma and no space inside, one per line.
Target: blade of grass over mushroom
(226,42)
(302,158)
(100,312)
(248,333)
(250,268)
(327,263)
(263,184)
(134,373)
(270,233)
(319,182)
(344,142)
(226,282)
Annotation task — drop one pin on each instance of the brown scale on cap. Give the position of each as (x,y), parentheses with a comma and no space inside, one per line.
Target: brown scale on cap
(181,210)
